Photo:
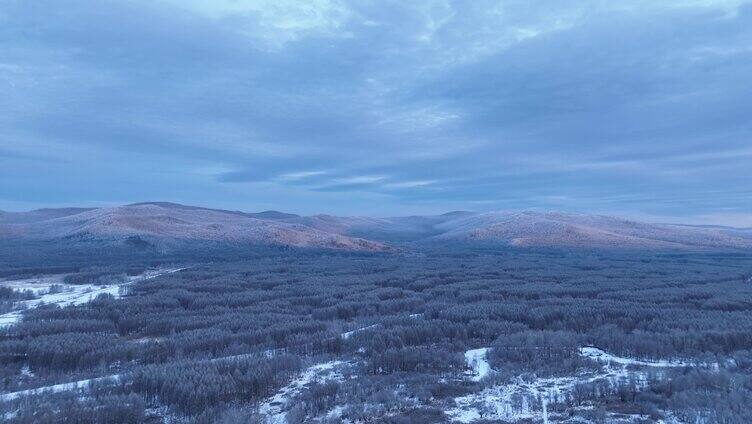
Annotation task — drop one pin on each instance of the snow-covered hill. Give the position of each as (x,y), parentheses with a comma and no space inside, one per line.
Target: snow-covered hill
(164,223)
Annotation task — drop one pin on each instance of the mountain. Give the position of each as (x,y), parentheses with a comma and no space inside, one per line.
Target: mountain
(167,224)
(273,215)
(543,229)
(578,230)
(38,215)
(394,229)
(258,215)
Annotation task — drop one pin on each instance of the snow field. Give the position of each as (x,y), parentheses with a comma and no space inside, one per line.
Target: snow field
(526,399)
(70,295)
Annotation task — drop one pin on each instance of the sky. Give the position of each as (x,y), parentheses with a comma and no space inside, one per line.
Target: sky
(634,108)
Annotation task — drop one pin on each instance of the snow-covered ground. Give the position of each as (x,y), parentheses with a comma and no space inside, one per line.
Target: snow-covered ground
(527,398)
(9,318)
(74,385)
(269,353)
(83,384)
(477,362)
(68,295)
(274,408)
(346,335)
(602,356)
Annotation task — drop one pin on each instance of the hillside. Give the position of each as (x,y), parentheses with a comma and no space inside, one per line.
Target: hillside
(163,223)
(578,230)
(543,229)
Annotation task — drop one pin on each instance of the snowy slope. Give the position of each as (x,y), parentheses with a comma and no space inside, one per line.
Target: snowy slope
(164,223)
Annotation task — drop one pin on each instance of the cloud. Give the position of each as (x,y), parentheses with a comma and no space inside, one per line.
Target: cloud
(410,184)
(326,105)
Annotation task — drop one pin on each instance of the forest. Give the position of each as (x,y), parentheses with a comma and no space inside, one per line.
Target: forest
(321,336)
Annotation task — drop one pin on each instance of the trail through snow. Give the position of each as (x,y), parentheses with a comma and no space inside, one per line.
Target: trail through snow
(346,335)
(602,356)
(57,388)
(476,360)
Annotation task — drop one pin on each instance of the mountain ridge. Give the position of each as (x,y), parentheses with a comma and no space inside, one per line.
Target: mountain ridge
(165,222)
(170,223)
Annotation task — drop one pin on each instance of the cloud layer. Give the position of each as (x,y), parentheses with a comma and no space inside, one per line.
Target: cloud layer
(635,107)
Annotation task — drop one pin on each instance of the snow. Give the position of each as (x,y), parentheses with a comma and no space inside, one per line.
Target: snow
(37,285)
(348,334)
(273,409)
(336,412)
(57,388)
(526,398)
(269,353)
(83,384)
(476,360)
(9,318)
(26,371)
(464,416)
(70,295)
(602,356)
(514,401)
(670,418)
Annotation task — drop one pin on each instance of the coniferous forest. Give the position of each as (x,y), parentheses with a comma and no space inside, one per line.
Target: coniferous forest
(321,336)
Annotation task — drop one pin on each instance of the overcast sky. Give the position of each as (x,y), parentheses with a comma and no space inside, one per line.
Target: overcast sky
(635,108)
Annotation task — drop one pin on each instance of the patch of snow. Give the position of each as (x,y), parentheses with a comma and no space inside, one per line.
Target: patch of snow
(465,415)
(57,388)
(602,356)
(9,318)
(514,401)
(83,384)
(26,371)
(273,409)
(38,285)
(670,418)
(336,412)
(268,353)
(522,399)
(476,360)
(348,334)
(70,294)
